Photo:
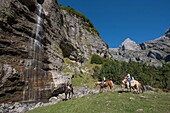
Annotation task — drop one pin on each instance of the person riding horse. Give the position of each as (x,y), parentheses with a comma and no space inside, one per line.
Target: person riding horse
(132,83)
(128,78)
(106,83)
(104,79)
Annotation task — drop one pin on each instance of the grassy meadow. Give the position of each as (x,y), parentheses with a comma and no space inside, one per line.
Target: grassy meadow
(112,102)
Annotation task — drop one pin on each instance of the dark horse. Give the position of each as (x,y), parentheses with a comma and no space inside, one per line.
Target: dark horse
(106,83)
(68,90)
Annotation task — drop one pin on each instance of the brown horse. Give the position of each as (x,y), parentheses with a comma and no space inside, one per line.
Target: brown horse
(134,84)
(106,83)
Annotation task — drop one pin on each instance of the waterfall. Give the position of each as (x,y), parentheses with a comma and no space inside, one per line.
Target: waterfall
(33,65)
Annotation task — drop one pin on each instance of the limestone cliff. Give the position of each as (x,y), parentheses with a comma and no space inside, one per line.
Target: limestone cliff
(154,52)
(34,40)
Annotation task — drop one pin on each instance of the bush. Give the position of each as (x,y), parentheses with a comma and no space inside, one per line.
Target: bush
(96,73)
(95,59)
(147,75)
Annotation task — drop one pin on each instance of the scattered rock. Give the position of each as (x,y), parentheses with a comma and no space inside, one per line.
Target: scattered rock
(139,110)
(147,87)
(19,107)
(131,98)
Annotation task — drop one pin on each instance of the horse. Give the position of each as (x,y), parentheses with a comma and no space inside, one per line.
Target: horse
(68,90)
(137,85)
(106,83)
(134,84)
(125,84)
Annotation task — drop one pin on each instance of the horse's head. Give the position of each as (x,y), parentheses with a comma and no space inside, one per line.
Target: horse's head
(124,81)
(97,83)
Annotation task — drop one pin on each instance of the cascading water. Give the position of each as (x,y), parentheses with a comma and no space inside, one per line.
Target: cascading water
(33,66)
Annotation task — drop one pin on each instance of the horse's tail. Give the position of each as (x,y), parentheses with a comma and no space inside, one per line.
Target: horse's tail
(112,84)
(142,88)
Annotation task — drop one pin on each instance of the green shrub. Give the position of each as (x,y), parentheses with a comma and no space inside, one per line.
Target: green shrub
(95,59)
(147,75)
(96,73)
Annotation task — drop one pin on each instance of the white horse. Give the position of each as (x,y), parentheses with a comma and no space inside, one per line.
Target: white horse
(133,84)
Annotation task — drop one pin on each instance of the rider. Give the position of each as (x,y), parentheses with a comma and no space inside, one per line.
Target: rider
(104,79)
(128,78)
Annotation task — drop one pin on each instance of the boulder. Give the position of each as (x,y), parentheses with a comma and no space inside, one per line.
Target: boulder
(155,54)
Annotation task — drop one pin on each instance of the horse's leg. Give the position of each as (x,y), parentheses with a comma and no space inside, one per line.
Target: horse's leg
(69,95)
(122,87)
(72,92)
(102,89)
(111,87)
(65,96)
(137,89)
(142,88)
(127,86)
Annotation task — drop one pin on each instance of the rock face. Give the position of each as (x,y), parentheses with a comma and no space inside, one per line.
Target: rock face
(153,52)
(129,44)
(34,40)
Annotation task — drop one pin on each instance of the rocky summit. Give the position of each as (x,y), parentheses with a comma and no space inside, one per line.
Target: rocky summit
(154,52)
(35,38)
(129,44)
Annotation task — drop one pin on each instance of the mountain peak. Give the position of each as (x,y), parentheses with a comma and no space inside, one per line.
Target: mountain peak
(167,33)
(128,44)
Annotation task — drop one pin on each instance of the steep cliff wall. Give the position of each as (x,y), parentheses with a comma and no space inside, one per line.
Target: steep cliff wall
(34,40)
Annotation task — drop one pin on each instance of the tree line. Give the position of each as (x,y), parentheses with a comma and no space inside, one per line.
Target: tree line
(116,71)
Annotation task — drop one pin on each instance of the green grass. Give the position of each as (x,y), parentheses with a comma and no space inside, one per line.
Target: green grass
(112,102)
(86,78)
(83,80)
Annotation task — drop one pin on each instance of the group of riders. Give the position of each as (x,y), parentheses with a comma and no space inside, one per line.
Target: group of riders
(128,82)
(127,78)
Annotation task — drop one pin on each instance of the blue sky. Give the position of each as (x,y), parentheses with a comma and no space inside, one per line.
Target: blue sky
(116,20)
